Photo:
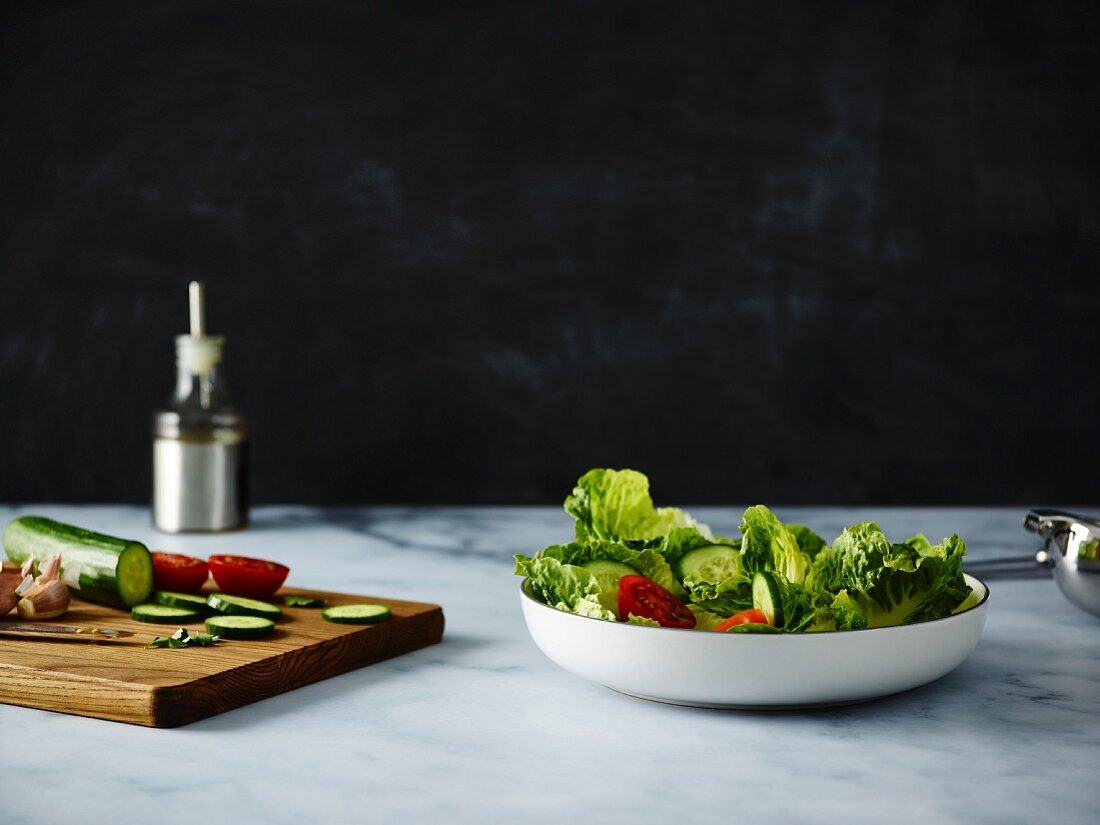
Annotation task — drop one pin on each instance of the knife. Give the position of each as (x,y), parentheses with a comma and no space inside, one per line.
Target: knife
(87,634)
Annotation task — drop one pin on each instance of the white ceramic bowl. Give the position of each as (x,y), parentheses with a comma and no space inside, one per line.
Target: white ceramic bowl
(746,670)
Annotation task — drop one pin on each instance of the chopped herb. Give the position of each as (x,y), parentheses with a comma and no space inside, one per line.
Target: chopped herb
(303,601)
(181,638)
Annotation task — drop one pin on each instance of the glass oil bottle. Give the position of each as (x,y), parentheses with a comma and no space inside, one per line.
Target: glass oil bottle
(200,440)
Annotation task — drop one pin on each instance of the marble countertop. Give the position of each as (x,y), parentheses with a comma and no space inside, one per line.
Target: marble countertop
(483,727)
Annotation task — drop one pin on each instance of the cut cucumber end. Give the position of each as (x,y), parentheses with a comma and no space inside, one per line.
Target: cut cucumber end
(357,613)
(135,574)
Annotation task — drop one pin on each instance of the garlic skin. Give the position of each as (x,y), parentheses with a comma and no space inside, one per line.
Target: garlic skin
(7,601)
(10,573)
(11,577)
(44,601)
(48,597)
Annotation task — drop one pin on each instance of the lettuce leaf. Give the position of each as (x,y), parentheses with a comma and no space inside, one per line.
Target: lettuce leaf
(768,544)
(616,505)
(704,619)
(556,576)
(563,586)
(843,613)
(729,596)
(809,542)
(646,558)
(892,584)
(799,609)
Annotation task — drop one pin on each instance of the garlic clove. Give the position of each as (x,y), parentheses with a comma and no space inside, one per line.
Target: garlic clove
(7,602)
(44,601)
(50,569)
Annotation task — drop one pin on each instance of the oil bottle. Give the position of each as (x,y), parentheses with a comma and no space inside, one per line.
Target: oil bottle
(200,439)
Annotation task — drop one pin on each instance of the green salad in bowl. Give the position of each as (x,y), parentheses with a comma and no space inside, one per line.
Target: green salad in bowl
(636,563)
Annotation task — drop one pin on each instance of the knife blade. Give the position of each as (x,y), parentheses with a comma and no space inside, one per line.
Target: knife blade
(89,634)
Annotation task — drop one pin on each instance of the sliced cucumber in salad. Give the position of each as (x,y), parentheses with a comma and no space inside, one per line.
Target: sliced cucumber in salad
(767,597)
(713,563)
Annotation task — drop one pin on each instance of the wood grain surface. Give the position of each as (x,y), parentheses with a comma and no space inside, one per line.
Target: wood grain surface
(122,681)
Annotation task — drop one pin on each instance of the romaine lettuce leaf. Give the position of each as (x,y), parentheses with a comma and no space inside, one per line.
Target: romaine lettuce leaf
(767,544)
(843,613)
(809,542)
(616,505)
(724,598)
(704,619)
(557,577)
(892,584)
(646,558)
(798,605)
(563,586)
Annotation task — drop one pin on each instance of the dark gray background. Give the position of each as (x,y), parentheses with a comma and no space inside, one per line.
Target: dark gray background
(780,252)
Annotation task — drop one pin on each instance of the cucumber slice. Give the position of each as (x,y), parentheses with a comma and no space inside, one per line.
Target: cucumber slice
(113,571)
(188,601)
(239,627)
(712,563)
(240,606)
(607,575)
(767,596)
(357,613)
(162,614)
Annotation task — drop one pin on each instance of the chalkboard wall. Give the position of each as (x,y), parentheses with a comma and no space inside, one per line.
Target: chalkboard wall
(765,251)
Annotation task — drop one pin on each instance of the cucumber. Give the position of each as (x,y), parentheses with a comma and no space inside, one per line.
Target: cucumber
(767,596)
(189,601)
(239,627)
(712,563)
(357,613)
(607,575)
(113,571)
(161,614)
(240,606)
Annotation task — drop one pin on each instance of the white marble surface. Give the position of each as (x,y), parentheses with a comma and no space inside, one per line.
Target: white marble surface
(482,727)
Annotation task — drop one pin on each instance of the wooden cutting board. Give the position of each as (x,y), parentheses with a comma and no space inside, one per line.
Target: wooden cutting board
(160,687)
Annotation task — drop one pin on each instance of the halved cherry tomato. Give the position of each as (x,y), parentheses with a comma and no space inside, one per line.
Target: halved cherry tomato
(175,571)
(242,576)
(751,616)
(644,597)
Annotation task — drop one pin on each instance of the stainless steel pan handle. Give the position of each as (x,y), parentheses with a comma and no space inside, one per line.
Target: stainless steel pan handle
(1041,562)
(1054,523)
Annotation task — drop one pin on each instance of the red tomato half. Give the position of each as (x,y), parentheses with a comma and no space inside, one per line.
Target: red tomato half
(174,571)
(644,597)
(242,576)
(751,616)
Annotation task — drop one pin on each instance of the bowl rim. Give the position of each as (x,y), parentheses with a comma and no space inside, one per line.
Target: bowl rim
(822,633)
